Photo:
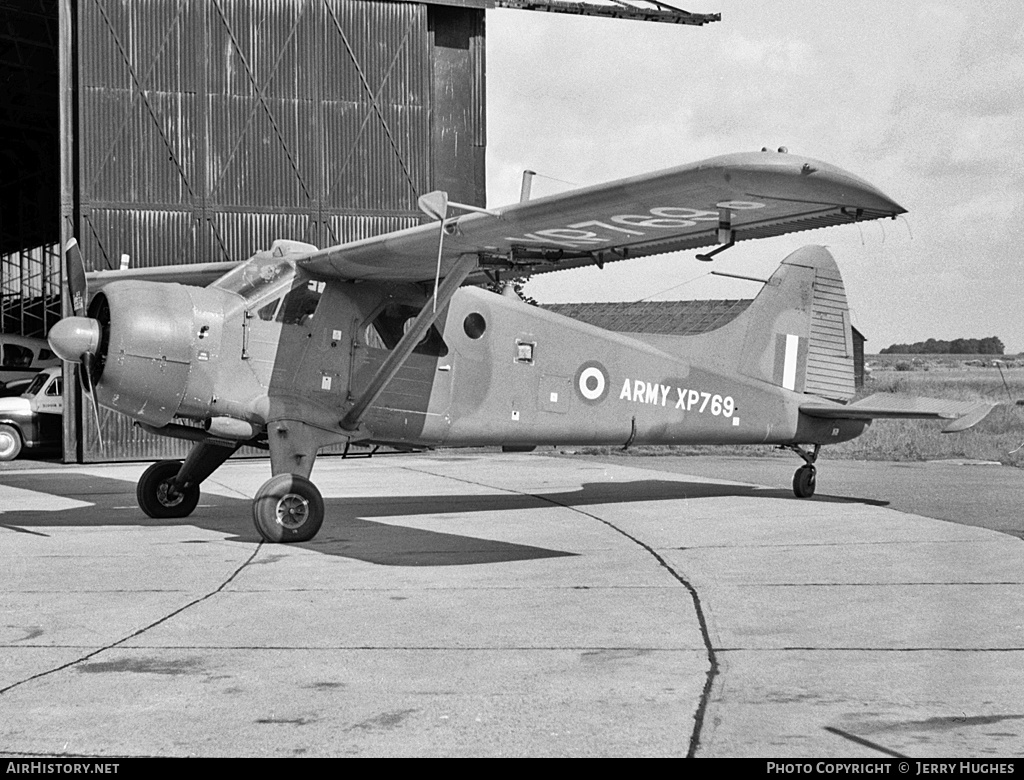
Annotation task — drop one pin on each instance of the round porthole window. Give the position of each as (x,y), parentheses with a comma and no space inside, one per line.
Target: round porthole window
(474,325)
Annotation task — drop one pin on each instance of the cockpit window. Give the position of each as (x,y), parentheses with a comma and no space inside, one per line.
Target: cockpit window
(264,280)
(257,276)
(300,304)
(266,313)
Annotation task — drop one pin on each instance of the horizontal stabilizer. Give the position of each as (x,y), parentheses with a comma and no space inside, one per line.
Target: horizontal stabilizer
(964,414)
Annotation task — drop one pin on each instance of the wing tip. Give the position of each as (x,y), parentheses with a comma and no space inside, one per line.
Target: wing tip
(970,419)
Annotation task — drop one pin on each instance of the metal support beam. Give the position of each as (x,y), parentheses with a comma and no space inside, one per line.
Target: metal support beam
(427,316)
(639,10)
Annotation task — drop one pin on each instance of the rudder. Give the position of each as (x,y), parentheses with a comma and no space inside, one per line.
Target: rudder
(798,328)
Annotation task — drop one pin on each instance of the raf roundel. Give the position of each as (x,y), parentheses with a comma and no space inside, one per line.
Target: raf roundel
(592,382)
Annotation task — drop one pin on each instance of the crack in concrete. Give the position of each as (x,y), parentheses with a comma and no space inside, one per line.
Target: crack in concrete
(709,647)
(140,631)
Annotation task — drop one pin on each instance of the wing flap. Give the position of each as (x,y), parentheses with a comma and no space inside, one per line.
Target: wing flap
(962,414)
(747,195)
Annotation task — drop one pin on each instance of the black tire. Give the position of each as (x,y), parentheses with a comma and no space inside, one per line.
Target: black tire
(288,508)
(804,481)
(10,442)
(154,497)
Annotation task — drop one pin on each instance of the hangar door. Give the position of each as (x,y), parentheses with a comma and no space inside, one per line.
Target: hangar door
(205,129)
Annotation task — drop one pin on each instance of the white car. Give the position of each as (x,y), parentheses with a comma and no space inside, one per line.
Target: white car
(33,419)
(21,358)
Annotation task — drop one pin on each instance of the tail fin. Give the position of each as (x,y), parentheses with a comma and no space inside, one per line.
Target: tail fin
(796,333)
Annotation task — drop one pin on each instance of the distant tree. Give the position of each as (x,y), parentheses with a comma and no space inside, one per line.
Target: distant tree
(987,346)
(991,346)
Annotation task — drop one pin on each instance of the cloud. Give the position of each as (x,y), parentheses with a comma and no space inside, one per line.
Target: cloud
(924,99)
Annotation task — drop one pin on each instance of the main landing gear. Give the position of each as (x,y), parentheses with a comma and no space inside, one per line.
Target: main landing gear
(288,508)
(805,478)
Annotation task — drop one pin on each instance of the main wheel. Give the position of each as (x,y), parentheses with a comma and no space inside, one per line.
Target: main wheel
(10,442)
(157,495)
(288,508)
(804,481)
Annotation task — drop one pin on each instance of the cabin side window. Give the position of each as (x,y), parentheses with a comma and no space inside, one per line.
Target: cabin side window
(392,322)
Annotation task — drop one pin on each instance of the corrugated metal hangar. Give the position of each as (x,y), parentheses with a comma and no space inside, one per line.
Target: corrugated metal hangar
(188,131)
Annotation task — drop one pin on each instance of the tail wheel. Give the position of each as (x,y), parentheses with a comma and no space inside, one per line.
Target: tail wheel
(159,497)
(804,481)
(288,508)
(10,442)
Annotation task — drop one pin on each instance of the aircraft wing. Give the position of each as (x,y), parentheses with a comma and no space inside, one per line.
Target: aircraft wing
(962,414)
(753,195)
(195,274)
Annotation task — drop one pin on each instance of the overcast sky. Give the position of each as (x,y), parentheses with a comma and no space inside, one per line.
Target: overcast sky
(923,99)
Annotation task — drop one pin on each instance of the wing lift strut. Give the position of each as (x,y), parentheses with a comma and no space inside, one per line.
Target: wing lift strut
(443,294)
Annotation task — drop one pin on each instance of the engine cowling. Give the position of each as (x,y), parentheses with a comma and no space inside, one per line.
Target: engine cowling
(144,359)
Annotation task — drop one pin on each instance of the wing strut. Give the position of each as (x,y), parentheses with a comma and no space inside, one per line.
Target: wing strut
(428,316)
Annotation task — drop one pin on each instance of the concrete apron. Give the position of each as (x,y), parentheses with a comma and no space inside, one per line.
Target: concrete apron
(458,604)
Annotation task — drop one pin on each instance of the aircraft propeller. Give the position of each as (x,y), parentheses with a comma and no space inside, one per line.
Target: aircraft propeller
(77,339)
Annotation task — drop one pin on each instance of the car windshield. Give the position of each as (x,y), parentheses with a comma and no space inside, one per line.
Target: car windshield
(37,384)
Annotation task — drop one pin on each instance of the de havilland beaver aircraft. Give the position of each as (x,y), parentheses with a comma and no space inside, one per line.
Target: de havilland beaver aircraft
(390,340)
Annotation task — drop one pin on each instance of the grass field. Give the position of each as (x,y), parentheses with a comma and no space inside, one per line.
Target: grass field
(999,437)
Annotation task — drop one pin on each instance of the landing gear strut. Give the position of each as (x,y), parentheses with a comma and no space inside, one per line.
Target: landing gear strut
(170,488)
(805,478)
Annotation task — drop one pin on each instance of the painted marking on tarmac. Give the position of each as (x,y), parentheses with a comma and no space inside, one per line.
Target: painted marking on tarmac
(136,506)
(23,530)
(864,742)
(13,499)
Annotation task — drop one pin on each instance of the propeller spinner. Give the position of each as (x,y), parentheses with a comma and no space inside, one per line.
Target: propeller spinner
(78,339)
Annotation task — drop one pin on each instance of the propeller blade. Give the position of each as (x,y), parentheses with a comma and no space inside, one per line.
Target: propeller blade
(85,375)
(78,287)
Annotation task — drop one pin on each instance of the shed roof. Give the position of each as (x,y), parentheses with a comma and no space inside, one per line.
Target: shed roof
(679,318)
(676,318)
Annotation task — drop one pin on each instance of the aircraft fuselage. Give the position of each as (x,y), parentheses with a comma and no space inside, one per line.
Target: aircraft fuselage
(493,371)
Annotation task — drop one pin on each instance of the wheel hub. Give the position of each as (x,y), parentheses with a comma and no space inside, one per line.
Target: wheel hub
(7,443)
(167,495)
(292,511)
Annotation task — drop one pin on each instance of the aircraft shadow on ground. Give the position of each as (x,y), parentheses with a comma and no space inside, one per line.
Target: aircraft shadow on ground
(354,527)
